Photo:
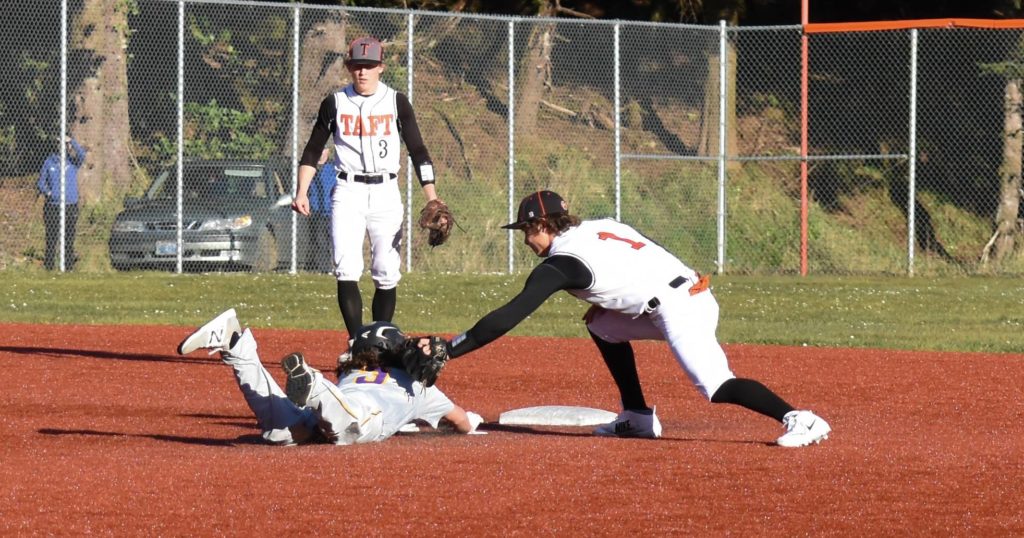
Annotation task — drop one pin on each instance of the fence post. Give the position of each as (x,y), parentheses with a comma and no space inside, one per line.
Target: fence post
(295,136)
(805,66)
(511,138)
(63,130)
(409,165)
(618,131)
(181,129)
(723,64)
(912,155)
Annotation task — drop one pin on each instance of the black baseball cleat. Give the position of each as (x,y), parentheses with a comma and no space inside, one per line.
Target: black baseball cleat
(300,378)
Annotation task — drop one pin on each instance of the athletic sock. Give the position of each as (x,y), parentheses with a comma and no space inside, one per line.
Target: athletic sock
(621,364)
(752,395)
(351,304)
(383,307)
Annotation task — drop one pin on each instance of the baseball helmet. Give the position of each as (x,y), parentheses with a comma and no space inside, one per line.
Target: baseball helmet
(380,336)
(537,205)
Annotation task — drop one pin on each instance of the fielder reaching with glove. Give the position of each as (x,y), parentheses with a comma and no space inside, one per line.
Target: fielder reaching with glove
(373,399)
(638,291)
(367,121)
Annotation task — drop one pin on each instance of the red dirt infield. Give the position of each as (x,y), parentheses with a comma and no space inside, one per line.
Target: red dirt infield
(108,431)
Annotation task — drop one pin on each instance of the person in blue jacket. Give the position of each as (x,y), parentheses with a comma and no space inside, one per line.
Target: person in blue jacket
(319,258)
(49,186)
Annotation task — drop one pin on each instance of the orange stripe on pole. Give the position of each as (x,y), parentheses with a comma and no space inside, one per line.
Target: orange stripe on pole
(877,26)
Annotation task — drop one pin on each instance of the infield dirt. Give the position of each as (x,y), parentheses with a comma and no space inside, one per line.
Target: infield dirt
(108,431)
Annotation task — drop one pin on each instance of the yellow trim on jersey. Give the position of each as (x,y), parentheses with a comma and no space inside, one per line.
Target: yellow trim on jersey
(361,424)
(344,405)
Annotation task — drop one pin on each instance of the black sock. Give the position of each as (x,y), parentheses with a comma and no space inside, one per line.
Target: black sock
(351,304)
(384,304)
(621,364)
(752,395)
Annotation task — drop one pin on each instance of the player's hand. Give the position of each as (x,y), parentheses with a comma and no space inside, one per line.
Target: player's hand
(301,204)
(424,345)
(475,421)
(428,355)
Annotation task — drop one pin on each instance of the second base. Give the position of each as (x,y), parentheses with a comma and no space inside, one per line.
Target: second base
(556,415)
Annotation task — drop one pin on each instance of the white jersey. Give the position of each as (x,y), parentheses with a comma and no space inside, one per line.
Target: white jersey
(366,137)
(629,269)
(395,397)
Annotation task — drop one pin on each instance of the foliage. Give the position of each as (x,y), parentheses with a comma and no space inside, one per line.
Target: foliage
(7,145)
(128,7)
(216,132)
(241,106)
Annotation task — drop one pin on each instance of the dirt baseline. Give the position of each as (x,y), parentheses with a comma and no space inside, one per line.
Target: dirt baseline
(108,431)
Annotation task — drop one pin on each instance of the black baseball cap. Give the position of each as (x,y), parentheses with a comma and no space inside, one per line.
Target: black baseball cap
(537,205)
(365,50)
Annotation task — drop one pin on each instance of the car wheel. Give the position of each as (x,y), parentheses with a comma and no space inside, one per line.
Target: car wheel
(266,253)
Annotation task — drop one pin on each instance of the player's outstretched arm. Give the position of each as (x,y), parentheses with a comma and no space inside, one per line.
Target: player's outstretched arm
(464,421)
(543,282)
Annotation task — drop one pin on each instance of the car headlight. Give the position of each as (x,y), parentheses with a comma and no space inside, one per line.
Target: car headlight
(236,223)
(129,226)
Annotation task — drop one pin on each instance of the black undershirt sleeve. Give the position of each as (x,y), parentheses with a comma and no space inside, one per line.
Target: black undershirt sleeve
(322,129)
(410,132)
(556,273)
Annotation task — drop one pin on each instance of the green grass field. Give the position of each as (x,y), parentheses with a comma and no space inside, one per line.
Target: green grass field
(955,314)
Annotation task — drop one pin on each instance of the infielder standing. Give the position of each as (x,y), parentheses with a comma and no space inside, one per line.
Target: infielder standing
(638,291)
(367,120)
(370,403)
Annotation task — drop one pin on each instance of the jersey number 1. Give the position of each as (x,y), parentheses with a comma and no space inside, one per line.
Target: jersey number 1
(604,236)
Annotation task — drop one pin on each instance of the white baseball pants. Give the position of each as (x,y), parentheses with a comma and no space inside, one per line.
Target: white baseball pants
(359,210)
(687,322)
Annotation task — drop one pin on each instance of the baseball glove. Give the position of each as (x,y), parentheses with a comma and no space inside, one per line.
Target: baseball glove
(438,220)
(425,366)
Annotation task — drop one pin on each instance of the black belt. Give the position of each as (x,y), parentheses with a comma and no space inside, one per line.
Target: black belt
(676,282)
(368,179)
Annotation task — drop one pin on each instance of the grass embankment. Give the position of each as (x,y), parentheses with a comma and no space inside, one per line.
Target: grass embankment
(956,314)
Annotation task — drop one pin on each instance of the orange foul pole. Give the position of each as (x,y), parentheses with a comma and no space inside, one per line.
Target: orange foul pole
(804,9)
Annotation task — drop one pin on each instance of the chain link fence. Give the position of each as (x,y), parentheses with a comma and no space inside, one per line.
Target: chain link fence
(690,133)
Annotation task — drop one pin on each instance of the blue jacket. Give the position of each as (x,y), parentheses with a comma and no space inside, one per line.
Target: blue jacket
(49,176)
(320,189)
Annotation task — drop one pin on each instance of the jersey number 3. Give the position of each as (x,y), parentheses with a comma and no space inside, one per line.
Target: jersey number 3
(373,377)
(636,245)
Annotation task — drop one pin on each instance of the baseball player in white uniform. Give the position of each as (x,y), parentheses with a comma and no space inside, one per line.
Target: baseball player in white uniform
(366,405)
(366,121)
(638,291)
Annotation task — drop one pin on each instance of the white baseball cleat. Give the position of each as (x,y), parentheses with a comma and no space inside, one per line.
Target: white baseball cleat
(632,424)
(216,335)
(802,429)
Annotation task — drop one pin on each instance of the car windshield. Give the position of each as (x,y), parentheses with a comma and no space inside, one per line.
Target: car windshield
(211,182)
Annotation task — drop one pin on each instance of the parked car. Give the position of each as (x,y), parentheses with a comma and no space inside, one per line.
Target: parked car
(234,215)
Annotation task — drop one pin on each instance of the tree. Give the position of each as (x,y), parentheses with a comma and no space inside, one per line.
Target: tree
(535,69)
(100,102)
(1007,230)
(322,69)
(730,12)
